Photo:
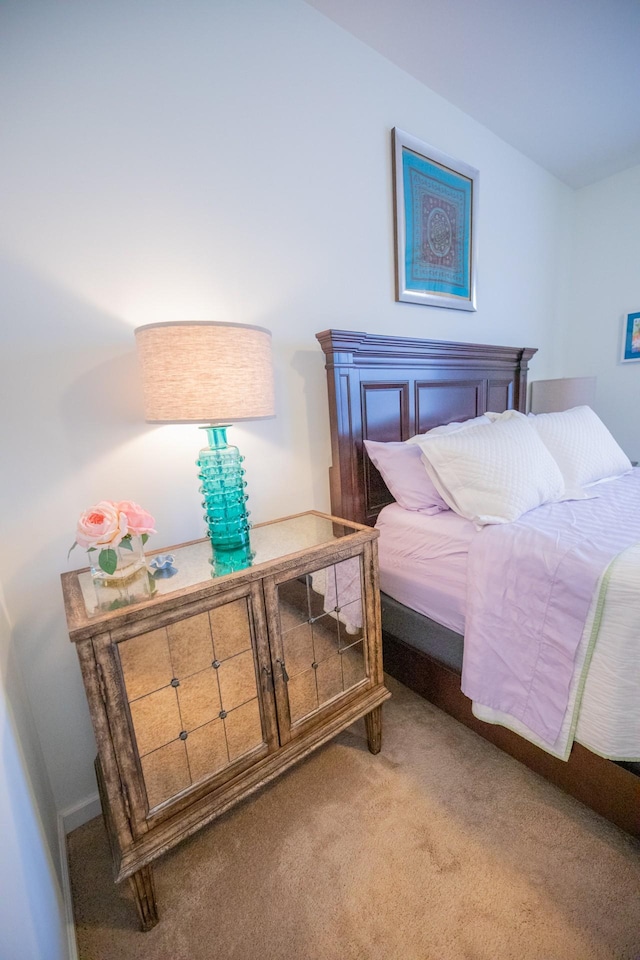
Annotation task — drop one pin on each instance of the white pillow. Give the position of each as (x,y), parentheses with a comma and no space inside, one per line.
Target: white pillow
(493,472)
(452,427)
(508,414)
(581,445)
(401,467)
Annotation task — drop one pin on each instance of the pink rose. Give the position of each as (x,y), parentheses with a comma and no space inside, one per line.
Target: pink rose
(102,525)
(138,520)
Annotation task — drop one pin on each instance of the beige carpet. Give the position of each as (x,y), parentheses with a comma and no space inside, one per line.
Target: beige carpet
(440,848)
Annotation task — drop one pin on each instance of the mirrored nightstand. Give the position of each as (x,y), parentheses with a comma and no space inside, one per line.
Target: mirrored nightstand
(216,683)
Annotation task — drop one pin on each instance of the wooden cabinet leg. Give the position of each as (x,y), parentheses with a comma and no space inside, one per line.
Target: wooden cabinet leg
(373,723)
(145,896)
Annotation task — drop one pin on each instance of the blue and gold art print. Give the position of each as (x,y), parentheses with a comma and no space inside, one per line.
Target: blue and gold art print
(435,221)
(631,338)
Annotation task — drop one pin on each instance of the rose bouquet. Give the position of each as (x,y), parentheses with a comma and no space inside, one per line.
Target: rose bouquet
(109,527)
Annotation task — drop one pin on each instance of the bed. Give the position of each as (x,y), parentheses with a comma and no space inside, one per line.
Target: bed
(388,389)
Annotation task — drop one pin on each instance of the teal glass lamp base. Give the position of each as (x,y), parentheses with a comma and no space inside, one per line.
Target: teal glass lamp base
(223,491)
(228,561)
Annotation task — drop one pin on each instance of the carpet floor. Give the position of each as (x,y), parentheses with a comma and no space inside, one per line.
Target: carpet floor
(439,848)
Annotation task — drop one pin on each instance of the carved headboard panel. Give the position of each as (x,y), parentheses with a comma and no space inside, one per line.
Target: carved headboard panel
(390,388)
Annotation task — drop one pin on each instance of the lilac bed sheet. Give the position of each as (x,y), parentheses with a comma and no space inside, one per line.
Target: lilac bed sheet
(423,562)
(530,587)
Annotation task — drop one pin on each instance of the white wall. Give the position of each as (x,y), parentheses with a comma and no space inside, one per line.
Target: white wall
(183,159)
(32,922)
(605,287)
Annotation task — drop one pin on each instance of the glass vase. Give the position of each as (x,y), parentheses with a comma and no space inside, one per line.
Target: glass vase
(129,558)
(126,582)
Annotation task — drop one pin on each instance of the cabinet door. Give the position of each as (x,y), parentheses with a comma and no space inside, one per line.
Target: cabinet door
(318,641)
(192,699)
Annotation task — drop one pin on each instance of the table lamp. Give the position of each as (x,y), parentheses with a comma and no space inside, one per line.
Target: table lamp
(551,396)
(211,374)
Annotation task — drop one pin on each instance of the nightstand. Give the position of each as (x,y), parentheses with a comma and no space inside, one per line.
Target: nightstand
(216,684)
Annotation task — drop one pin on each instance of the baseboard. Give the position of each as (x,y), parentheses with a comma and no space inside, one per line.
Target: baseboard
(80,813)
(68,820)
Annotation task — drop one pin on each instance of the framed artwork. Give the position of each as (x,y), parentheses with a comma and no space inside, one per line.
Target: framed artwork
(631,338)
(435,204)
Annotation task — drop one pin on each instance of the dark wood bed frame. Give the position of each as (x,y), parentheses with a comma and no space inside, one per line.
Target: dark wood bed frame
(390,388)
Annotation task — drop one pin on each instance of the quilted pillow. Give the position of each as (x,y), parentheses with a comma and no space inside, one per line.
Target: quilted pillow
(403,471)
(581,445)
(493,472)
(452,427)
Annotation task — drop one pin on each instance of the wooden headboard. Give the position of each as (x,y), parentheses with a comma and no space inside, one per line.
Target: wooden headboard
(390,388)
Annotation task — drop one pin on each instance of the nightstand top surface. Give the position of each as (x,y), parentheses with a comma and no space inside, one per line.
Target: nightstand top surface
(192,565)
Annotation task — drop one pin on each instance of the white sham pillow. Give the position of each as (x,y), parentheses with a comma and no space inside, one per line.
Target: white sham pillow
(581,445)
(451,427)
(400,466)
(493,472)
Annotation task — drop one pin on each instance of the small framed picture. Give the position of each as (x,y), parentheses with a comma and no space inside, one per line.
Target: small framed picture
(435,211)
(631,338)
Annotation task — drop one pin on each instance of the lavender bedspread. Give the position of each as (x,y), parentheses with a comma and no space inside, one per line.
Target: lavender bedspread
(530,586)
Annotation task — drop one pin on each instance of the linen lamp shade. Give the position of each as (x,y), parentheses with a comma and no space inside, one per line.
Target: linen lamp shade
(551,396)
(205,372)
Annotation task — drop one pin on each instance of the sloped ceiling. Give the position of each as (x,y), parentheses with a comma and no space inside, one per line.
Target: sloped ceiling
(557,79)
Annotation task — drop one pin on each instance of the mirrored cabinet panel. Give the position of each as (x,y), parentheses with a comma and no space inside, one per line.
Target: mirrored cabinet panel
(323,638)
(193,698)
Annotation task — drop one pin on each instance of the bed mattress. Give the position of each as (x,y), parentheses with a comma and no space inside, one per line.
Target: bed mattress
(423,562)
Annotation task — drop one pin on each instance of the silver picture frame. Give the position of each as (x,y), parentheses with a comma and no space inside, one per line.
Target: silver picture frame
(435,220)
